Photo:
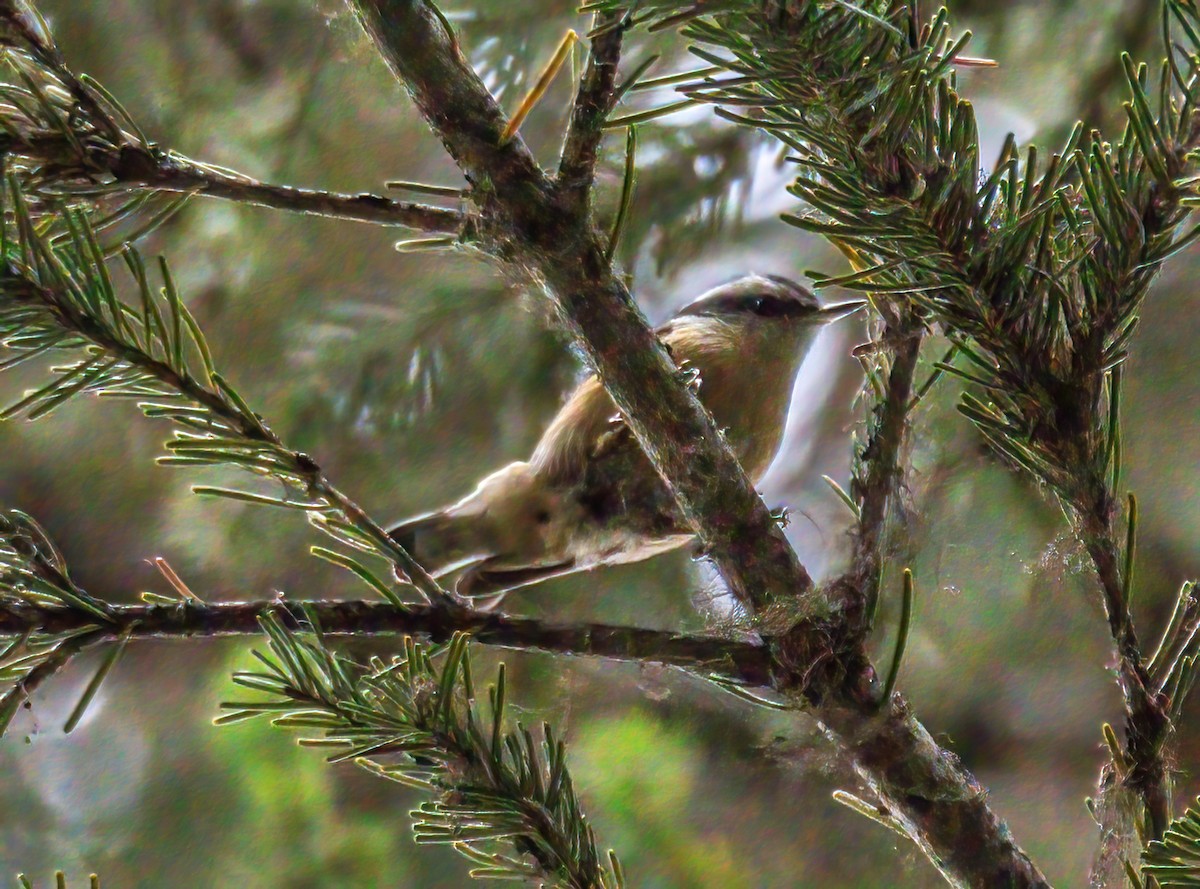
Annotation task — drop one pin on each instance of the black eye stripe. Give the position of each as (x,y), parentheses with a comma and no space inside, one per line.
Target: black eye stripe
(762,305)
(774,307)
(761,296)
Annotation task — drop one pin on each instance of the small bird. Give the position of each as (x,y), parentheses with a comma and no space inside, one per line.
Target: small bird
(588,496)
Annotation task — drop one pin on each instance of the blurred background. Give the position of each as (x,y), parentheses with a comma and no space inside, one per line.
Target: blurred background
(409,376)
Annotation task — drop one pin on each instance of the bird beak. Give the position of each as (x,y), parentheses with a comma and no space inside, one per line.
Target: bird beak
(841,310)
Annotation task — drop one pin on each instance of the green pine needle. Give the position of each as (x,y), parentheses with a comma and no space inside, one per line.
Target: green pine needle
(501,797)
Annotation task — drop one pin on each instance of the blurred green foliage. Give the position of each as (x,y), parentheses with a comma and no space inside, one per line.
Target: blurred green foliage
(411,375)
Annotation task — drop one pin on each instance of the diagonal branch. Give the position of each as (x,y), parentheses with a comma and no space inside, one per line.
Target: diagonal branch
(524,221)
(21,288)
(742,662)
(45,669)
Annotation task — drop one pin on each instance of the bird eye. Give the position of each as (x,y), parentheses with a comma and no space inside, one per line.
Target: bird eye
(771,307)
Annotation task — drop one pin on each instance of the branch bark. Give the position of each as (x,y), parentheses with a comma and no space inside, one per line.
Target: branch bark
(1147,723)
(743,662)
(878,482)
(526,220)
(594,100)
(925,787)
(175,173)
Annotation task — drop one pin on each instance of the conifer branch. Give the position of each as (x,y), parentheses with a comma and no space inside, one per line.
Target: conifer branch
(937,800)
(47,620)
(67,136)
(170,172)
(1037,275)
(57,295)
(499,797)
(743,662)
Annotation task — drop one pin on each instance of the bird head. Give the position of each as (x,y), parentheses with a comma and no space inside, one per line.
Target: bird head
(769,300)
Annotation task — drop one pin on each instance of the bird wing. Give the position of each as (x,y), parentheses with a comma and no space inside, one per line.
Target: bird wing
(570,441)
(588,427)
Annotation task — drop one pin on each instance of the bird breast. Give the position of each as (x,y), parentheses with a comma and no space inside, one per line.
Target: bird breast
(746,374)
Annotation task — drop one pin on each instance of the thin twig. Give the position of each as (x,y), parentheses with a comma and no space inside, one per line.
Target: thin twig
(594,101)
(1147,724)
(881,473)
(62,654)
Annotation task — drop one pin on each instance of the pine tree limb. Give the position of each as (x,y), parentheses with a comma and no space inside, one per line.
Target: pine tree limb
(525,226)
(70,136)
(170,172)
(743,662)
(1037,275)
(524,221)
(174,173)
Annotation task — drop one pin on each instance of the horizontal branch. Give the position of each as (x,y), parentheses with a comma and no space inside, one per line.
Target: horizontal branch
(71,135)
(171,172)
(742,662)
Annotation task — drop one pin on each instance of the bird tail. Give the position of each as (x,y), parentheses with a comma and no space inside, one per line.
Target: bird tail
(487,585)
(441,542)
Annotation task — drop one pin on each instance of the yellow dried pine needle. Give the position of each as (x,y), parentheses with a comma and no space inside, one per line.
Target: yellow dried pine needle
(543,83)
(176,582)
(1114,749)
(974,62)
